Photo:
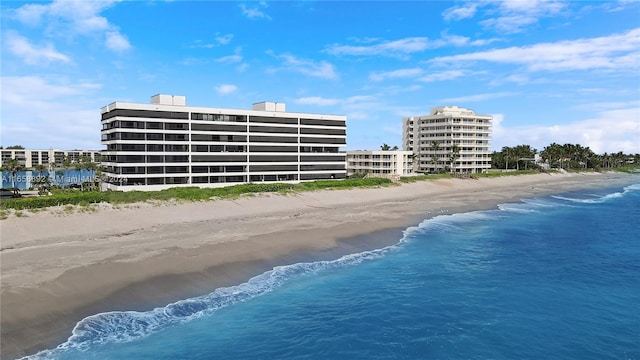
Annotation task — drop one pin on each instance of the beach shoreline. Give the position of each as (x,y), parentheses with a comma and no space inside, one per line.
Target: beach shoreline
(59,267)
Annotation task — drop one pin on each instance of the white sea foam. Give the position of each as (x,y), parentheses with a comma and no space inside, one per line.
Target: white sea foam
(633,187)
(595,199)
(598,198)
(125,326)
(518,208)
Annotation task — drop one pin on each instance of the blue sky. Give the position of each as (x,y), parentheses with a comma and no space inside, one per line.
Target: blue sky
(548,71)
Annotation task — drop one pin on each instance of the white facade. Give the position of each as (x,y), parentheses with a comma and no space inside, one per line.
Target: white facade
(169,144)
(380,162)
(434,139)
(30,158)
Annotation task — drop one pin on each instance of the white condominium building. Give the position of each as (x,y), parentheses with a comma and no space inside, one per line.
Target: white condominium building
(450,138)
(30,158)
(169,144)
(380,162)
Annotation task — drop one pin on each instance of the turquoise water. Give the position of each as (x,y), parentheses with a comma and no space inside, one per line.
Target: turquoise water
(554,277)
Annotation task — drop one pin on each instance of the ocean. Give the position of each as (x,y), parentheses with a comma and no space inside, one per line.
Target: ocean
(553,277)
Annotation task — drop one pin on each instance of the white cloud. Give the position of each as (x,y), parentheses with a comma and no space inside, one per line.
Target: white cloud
(117,42)
(33,54)
(224,39)
(395,48)
(608,131)
(356,100)
(230,59)
(457,40)
(33,88)
(443,75)
(321,69)
(511,16)
(255,12)
(226,89)
(476,97)
(403,47)
(219,40)
(242,67)
(317,100)
(465,11)
(400,73)
(60,112)
(64,18)
(30,14)
(617,51)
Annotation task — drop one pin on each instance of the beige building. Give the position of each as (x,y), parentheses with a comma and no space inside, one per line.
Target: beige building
(30,158)
(450,138)
(380,162)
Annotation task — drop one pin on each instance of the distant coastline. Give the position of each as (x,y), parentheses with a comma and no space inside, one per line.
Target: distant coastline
(61,266)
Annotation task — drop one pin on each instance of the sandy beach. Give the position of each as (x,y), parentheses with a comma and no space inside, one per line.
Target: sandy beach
(61,265)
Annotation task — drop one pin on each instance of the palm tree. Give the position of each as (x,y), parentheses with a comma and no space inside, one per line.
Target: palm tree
(42,184)
(87,164)
(507,153)
(435,146)
(66,162)
(455,155)
(618,159)
(40,168)
(551,153)
(385,147)
(13,166)
(523,152)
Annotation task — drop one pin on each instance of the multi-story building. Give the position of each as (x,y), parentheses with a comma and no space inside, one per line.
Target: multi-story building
(449,138)
(52,157)
(380,162)
(169,144)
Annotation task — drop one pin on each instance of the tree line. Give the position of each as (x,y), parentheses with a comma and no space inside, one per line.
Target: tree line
(567,156)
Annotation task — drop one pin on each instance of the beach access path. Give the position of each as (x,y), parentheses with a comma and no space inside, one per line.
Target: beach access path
(58,266)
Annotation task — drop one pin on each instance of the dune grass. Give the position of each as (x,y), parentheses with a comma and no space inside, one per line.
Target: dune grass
(75,197)
(412,179)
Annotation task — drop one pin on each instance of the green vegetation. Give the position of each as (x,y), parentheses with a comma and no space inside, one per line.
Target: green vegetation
(74,197)
(493,174)
(412,179)
(516,157)
(385,147)
(488,174)
(631,169)
(568,157)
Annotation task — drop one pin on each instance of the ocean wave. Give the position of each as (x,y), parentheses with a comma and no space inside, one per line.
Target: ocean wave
(633,187)
(126,326)
(597,199)
(518,208)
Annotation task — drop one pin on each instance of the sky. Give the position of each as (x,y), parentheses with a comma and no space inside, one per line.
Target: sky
(548,71)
